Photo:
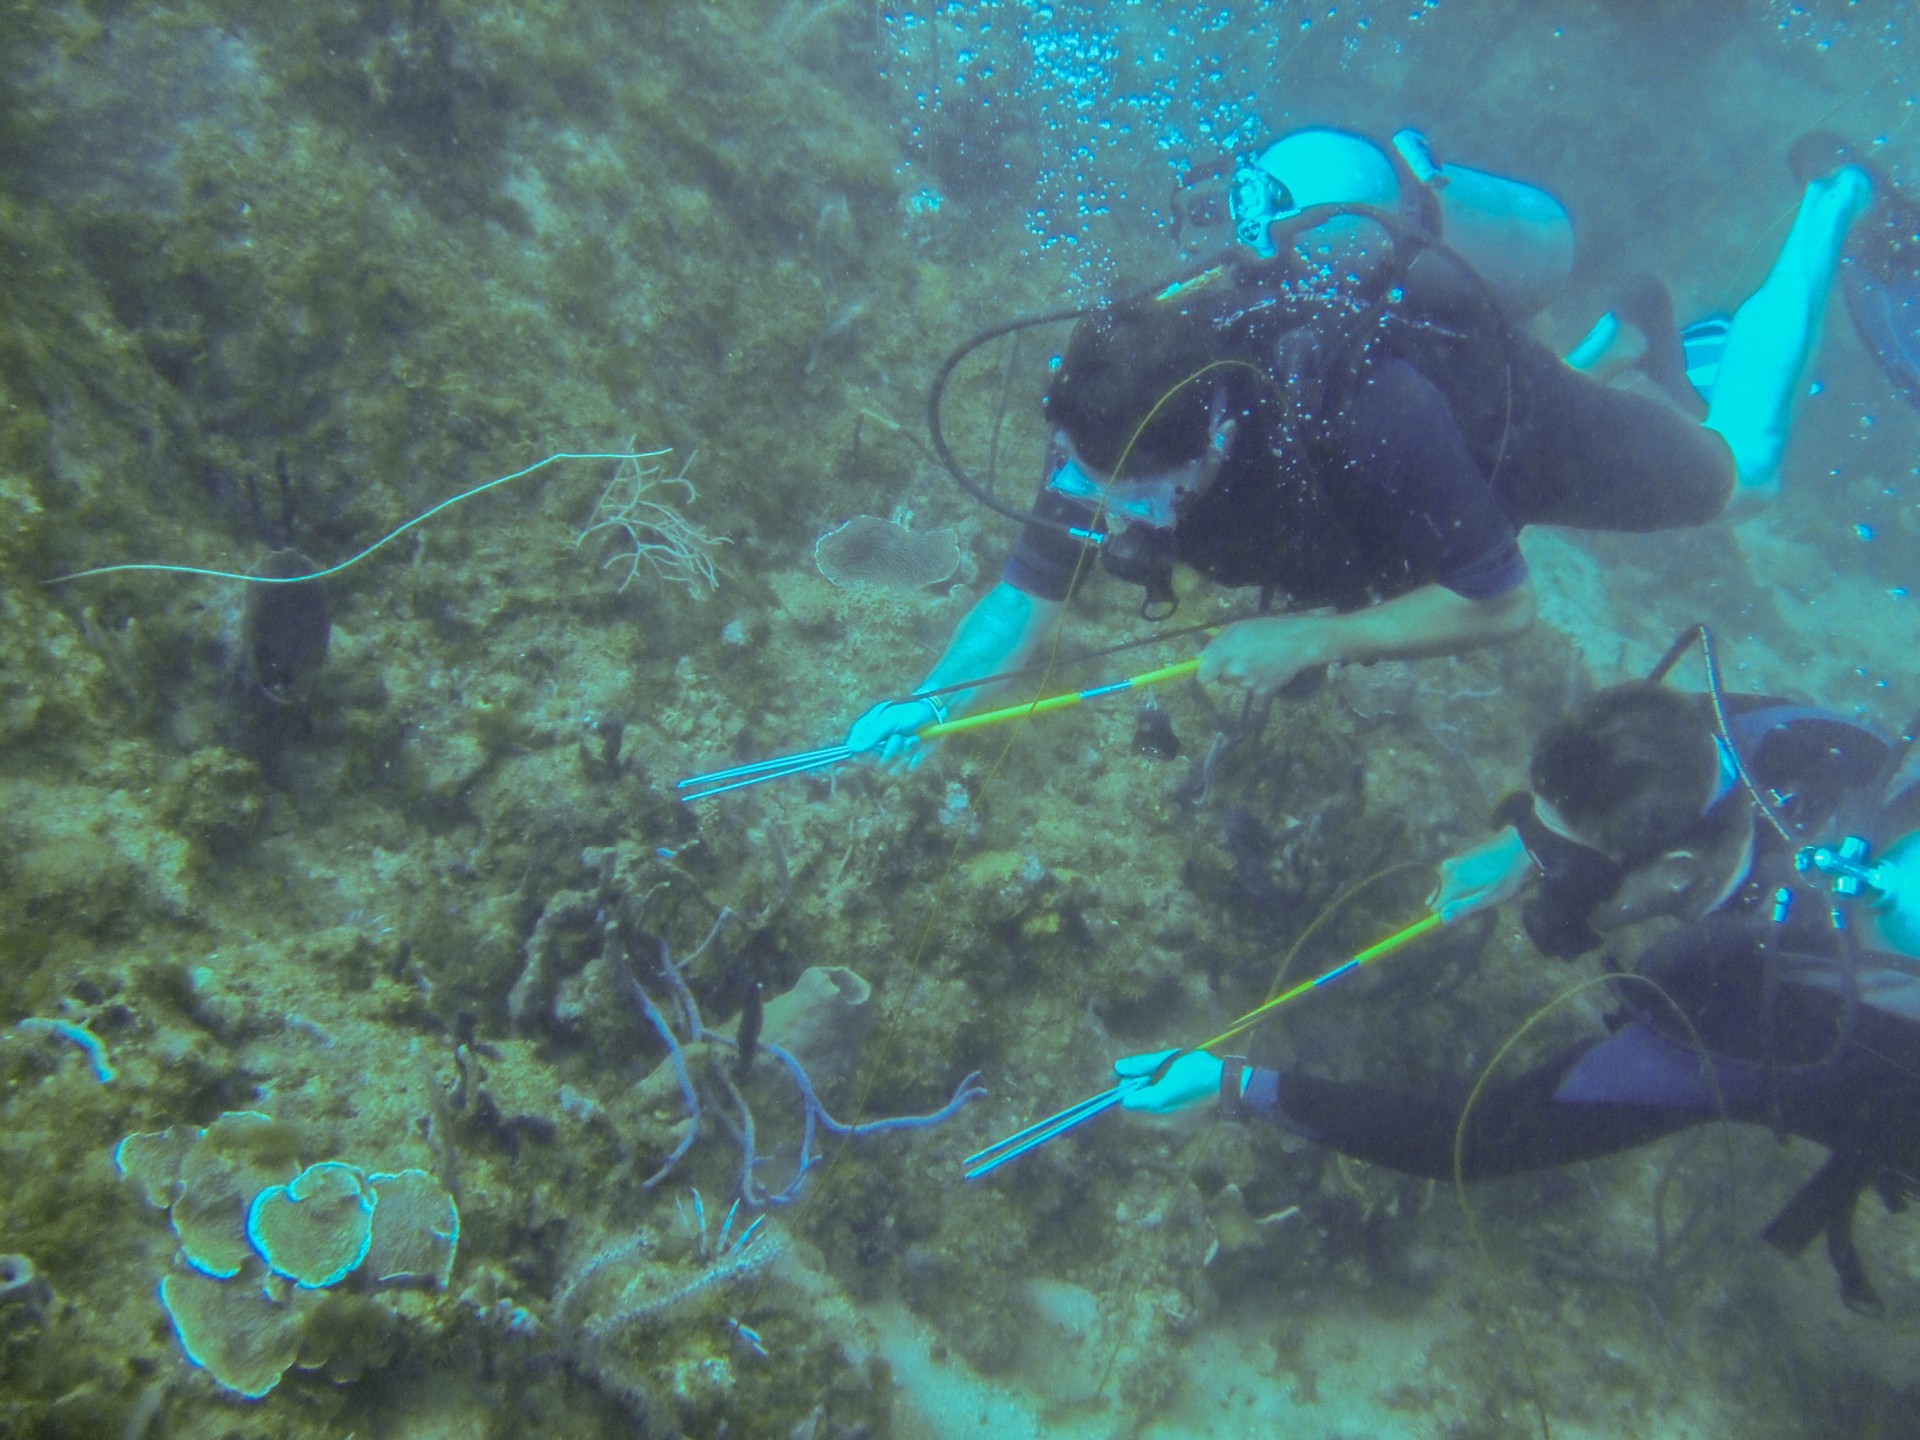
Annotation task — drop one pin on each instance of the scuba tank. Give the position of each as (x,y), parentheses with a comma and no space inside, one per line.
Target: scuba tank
(1880,880)
(1895,920)
(1885,888)
(1514,236)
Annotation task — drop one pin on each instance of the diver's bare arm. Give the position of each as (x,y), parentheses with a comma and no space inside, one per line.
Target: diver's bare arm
(1262,655)
(1432,620)
(1000,632)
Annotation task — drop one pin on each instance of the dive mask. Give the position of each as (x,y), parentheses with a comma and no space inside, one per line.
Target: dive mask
(1136,540)
(1155,500)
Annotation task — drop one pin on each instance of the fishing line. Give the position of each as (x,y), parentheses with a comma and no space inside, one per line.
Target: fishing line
(1327,912)
(381,543)
(1512,1307)
(1753,165)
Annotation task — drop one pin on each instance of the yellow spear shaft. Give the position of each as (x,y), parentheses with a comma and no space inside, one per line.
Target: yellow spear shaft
(1373,952)
(986,1161)
(1056,702)
(738,777)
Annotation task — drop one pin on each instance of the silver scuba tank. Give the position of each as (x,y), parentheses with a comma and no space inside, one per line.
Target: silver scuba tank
(1515,236)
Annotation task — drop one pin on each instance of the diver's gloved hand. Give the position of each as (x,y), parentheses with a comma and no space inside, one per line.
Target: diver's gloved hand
(1491,873)
(1191,1080)
(885,734)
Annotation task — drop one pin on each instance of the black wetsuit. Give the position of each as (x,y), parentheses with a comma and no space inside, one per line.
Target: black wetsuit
(1798,1057)
(1775,1033)
(1406,442)
(1646,1079)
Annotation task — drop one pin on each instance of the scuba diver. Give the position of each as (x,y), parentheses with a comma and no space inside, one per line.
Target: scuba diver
(1788,996)
(1347,417)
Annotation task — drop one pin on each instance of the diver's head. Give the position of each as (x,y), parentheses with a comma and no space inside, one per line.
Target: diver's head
(1125,396)
(1629,772)
(1142,424)
(1304,171)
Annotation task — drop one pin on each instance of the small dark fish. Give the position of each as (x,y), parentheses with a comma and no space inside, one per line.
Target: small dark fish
(746,1036)
(285,629)
(1153,733)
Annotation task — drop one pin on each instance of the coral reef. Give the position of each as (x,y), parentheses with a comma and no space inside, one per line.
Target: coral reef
(822,1016)
(867,550)
(396,863)
(253,1246)
(613,1296)
(638,518)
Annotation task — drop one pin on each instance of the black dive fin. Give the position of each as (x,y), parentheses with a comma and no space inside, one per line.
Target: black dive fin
(1834,1190)
(1856,1291)
(1825,1205)
(1880,267)
(1880,274)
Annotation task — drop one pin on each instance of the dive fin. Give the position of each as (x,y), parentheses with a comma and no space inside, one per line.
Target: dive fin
(1880,267)
(1833,1189)
(1825,1205)
(1883,297)
(1637,1066)
(1856,1291)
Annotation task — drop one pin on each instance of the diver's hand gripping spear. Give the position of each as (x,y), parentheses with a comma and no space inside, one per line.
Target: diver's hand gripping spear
(985,1162)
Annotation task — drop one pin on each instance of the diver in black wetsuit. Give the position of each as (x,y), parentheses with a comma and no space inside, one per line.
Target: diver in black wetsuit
(1352,423)
(1766,1010)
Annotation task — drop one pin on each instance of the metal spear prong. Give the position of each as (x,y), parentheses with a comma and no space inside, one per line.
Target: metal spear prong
(985,1162)
(718,782)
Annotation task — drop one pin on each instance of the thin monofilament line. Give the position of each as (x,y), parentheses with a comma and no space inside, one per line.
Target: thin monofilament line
(384,540)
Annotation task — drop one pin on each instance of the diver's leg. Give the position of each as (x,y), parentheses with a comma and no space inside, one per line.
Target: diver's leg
(1607,350)
(1586,454)
(1638,333)
(1775,333)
